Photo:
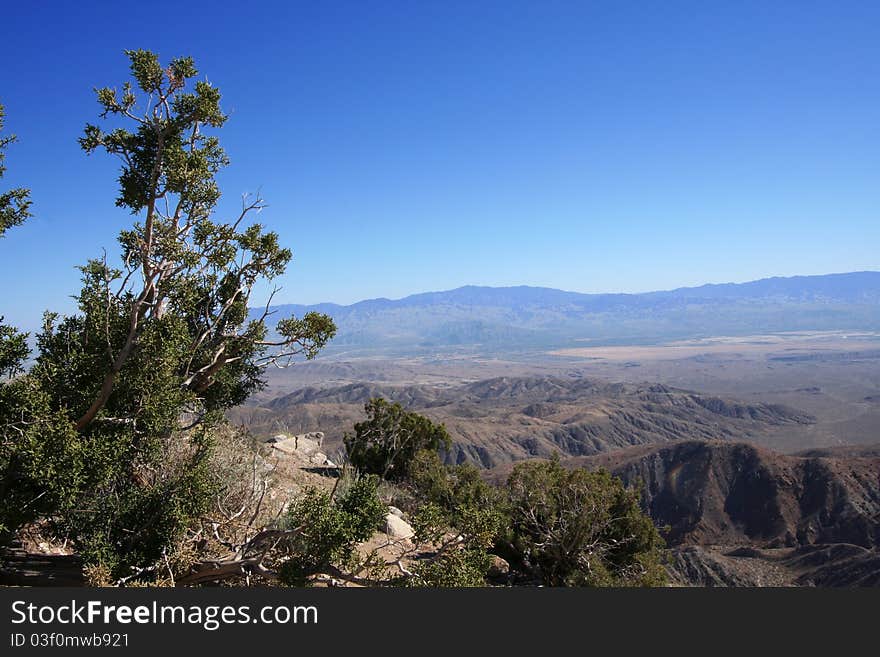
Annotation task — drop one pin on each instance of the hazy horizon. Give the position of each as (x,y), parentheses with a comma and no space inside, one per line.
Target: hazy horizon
(647,290)
(30,323)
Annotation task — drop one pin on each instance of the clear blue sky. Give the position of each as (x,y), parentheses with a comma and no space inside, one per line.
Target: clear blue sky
(412,146)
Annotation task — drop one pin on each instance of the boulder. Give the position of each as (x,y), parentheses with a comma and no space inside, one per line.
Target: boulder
(499,569)
(397,527)
(306,444)
(300,444)
(287,446)
(395,511)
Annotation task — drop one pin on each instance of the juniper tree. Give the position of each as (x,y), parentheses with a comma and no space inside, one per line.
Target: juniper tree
(14,210)
(579,528)
(163,341)
(387,442)
(15,203)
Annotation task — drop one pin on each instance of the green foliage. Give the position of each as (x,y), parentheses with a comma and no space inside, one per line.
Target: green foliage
(580,528)
(558,527)
(328,530)
(15,203)
(457,568)
(450,487)
(44,462)
(13,350)
(151,507)
(463,537)
(461,514)
(386,443)
(109,434)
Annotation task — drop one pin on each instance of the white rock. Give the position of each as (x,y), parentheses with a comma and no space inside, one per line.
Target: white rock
(305,445)
(397,527)
(288,445)
(395,511)
(300,444)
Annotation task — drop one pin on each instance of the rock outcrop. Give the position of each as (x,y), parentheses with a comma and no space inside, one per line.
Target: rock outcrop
(305,446)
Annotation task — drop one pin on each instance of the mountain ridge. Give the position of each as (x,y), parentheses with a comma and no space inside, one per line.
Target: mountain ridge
(505,419)
(697,291)
(522,318)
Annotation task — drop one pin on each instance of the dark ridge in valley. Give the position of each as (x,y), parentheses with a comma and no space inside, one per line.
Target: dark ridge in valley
(715,492)
(738,515)
(842,451)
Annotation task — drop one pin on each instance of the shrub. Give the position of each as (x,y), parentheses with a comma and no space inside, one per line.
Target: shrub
(460,515)
(326,531)
(386,442)
(580,528)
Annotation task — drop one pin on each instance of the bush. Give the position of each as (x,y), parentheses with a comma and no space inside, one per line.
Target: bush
(454,569)
(132,528)
(44,462)
(326,531)
(387,442)
(458,513)
(580,528)
(453,488)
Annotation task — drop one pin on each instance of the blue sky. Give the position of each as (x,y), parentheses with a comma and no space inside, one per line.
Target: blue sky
(405,147)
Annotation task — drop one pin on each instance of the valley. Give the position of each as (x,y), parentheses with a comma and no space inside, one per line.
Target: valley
(756,451)
(830,378)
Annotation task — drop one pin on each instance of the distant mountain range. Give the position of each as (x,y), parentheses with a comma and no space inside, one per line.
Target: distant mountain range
(507,319)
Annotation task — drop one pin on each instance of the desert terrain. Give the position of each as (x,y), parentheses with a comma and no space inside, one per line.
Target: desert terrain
(757,455)
(832,376)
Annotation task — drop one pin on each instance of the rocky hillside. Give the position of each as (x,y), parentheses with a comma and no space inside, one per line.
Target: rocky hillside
(714,492)
(738,515)
(507,419)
